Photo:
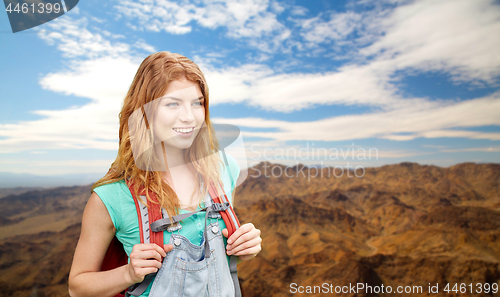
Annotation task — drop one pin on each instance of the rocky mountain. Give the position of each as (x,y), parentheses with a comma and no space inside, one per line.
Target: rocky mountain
(407,225)
(38,234)
(398,225)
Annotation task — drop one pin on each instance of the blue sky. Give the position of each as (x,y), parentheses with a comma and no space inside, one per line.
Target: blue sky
(416,80)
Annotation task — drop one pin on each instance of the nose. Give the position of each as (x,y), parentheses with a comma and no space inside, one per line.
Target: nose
(187,115)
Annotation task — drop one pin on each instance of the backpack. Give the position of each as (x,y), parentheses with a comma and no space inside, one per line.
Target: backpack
(115,255)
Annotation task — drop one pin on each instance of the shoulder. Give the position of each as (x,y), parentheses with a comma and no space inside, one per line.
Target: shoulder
(112,191)
(111,187)
(113,196)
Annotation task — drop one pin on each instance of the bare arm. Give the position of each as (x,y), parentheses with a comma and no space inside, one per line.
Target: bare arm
(85,278)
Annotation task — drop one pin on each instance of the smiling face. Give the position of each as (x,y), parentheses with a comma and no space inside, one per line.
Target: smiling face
(179,115)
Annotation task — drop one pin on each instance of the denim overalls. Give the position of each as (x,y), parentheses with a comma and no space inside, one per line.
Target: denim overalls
(187,272)
(192,270)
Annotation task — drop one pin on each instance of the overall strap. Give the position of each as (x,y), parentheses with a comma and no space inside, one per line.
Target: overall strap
(232,223)
(234,275)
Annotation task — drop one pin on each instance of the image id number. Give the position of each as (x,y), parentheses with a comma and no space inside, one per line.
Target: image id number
(34,8)
(471,288)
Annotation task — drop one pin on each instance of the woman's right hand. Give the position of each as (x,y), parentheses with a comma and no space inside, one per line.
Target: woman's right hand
(146,258)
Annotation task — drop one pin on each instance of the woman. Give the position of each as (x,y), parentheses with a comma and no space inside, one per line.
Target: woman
(166,145)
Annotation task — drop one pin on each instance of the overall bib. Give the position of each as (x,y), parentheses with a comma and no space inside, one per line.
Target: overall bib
(190,270)
(186,271)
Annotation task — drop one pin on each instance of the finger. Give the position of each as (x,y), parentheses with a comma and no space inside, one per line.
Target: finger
(148,246)
(244,238)
(144,246)
(153,246)
(160,250)
(143,271)
(167,248)
(241,230)
(140,263)
(150,254)
(254,250)
(153,254)
(146,254)
(246,245)
(225,232)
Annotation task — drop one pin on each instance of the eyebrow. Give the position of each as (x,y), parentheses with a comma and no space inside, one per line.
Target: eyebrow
(177,99)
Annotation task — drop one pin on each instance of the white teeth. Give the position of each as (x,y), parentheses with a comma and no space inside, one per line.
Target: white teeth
(183,130)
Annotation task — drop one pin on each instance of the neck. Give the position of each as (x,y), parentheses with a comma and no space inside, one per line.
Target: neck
(174,156)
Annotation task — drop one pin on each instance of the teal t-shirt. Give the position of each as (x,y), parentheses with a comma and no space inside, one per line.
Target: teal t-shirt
(121,208)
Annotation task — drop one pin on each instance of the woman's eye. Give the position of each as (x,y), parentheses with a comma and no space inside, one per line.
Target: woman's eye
(172,104)
(198,103)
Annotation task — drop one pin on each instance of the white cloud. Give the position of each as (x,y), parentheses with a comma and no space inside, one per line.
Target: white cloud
(258,85)
(298,11)
(338,27)
(234,84)
(456,37)
(277,7)
(94,125)
(109,77)
(143,45)
(73,39)
(101,70)
(431,120)
(488,149)
(434,146)
(253,20)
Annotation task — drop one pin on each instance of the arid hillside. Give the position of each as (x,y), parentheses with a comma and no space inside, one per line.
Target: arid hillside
(398,225)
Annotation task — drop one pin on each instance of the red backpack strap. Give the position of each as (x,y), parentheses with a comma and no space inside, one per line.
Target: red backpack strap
(228,215)
(147,215)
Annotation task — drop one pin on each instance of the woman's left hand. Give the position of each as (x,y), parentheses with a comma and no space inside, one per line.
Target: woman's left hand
(244,243)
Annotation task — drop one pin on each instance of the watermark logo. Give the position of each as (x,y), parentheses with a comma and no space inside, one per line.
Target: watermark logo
(26,14)
(319,156)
